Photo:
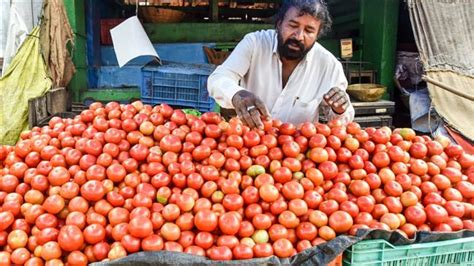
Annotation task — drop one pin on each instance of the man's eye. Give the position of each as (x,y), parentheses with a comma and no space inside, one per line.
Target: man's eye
(293,25)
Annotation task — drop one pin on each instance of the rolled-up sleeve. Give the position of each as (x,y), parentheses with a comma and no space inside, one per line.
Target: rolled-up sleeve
(223,83)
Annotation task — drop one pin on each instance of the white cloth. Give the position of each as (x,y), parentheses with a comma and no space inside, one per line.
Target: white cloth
(4,15)
(255,63)
(420,112)
(23,16)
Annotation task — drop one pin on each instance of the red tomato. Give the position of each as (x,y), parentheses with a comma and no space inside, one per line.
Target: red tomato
(229,223)
(283,248)
(70,238)
(340,221)
(242,252)
(436,214)
(262,250)
(220,253)
(415,215)
(205,220)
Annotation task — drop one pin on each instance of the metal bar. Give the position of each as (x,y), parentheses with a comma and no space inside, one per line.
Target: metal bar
(448,88)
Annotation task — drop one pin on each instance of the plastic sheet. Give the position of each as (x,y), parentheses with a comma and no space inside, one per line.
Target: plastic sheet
(26,78)
(318,255)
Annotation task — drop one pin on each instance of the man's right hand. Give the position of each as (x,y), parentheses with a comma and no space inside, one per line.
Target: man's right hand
(250,108)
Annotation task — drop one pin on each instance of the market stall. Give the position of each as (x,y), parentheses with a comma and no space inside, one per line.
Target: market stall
(149,171)
(205,32)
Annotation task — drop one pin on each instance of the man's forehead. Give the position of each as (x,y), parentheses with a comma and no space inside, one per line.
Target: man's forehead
(297,15)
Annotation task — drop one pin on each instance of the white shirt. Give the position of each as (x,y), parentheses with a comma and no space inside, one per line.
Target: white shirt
(256,65)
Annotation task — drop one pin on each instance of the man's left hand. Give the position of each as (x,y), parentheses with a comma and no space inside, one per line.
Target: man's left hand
(337,99)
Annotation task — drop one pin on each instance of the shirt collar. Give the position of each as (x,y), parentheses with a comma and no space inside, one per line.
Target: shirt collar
(308,56)
(275,43)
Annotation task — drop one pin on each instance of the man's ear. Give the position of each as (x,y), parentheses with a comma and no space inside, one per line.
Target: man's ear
(278,25)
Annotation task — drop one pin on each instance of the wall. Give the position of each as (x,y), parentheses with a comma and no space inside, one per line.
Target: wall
(379,22)
(372,23)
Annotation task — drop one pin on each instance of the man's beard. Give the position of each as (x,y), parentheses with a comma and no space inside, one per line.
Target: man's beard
(291,54)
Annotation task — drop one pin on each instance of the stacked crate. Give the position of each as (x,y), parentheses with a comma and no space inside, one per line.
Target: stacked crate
(374,114)
(177,84)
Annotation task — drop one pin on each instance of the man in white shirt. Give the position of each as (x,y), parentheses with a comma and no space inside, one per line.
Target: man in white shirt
(284,73)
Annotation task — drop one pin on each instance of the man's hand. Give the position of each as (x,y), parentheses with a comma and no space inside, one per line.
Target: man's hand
(337,99)
(250,108)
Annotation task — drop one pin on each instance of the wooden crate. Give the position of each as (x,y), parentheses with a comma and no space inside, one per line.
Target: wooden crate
(55,101)
(37,110)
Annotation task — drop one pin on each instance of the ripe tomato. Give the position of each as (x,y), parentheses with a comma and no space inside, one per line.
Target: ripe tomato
(293,190)
(204,240)
(51,250)
(359,188)
(195,250)
(261,221)
(350,207)
(7,219)
(93,190)
(288,219)
(220,253)
(262,250)
(94,233)
(329,169)
(170,231)
(205,220)
(186,239)
(70,238)
(298,207)
(291,149)
(340,221)
(415,215)
(306,231)
(329,206)
(436,214)
(228,241)
(283,248)
(233,202)
(268,192)
(229,223)
(242,252)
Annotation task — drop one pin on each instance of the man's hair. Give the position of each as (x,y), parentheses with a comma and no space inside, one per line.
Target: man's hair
(316,8)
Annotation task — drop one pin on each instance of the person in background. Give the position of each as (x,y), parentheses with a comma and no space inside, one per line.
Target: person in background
(284,73)
(414,92)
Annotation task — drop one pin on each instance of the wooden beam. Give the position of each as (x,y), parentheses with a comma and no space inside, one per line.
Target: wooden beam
(200,32)
(448,88)
(214,10)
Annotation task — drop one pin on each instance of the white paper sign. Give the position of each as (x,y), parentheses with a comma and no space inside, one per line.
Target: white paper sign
(130,41)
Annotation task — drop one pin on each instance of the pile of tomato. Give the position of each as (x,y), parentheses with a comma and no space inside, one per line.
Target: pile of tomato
(119,179)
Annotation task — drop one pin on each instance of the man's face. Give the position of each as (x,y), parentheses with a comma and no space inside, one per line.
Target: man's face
(297,34)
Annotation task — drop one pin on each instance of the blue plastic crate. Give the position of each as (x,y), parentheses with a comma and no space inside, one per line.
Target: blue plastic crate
(177,84)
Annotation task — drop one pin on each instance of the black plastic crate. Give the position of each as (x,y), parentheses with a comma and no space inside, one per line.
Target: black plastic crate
(177,84)
(374,121)
(381,107)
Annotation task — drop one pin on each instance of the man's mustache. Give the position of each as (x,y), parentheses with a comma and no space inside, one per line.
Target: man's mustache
(295,42)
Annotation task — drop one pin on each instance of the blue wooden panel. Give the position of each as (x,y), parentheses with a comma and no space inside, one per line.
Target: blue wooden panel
(93,41)
(113,76)
(174,52)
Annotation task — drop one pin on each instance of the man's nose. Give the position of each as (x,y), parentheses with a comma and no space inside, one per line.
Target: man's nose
(299,34)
